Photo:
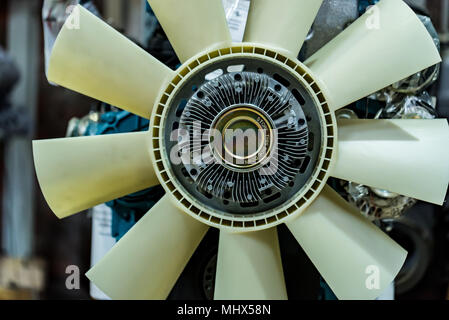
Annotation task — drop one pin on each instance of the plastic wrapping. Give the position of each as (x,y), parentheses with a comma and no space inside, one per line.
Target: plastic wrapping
(404,100)
(236,15)
(373,203)
(409,107)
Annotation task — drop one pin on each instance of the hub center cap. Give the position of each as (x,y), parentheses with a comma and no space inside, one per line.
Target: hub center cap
(242,137)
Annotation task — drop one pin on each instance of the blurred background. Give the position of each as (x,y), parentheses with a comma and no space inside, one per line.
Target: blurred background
(42,257)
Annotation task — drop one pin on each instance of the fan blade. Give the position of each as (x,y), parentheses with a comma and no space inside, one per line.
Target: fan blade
(357,260)
(78,173)
(283,24)
(385,45)
(148,260)
(249,267)
(97,61)
(409,157)
(193,26)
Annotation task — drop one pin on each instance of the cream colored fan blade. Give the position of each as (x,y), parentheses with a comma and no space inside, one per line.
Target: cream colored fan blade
(148,260)
(283,24)
(409,157)
(78,173)
(193,26)
(92,58)
(357,260)
(385,45)
(249,267)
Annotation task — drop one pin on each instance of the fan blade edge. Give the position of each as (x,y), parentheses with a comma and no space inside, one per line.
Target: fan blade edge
(148,260)
(356,259)
(385,45)
(292,22)
(249,267)
(205,22)
(76,174)
(96,60)
(408,157)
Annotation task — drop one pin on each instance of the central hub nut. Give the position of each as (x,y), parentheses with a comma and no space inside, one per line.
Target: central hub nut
(242,137)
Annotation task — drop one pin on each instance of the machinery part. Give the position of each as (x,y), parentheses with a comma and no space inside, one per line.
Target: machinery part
(345,114)
(197,280)
(209,278)
(417,232)
(131,270)
(443,94)
(126,211)
(419,244)
(373,203)
(410,107)
(377,204)
(85,126)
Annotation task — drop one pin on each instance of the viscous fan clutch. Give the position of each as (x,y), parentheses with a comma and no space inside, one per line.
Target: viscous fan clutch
(243,139)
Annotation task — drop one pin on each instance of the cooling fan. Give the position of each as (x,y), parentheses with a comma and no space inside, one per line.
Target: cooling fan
(257,85)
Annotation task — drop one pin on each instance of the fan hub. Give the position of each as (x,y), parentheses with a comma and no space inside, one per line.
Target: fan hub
(243,136)
(242,140)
